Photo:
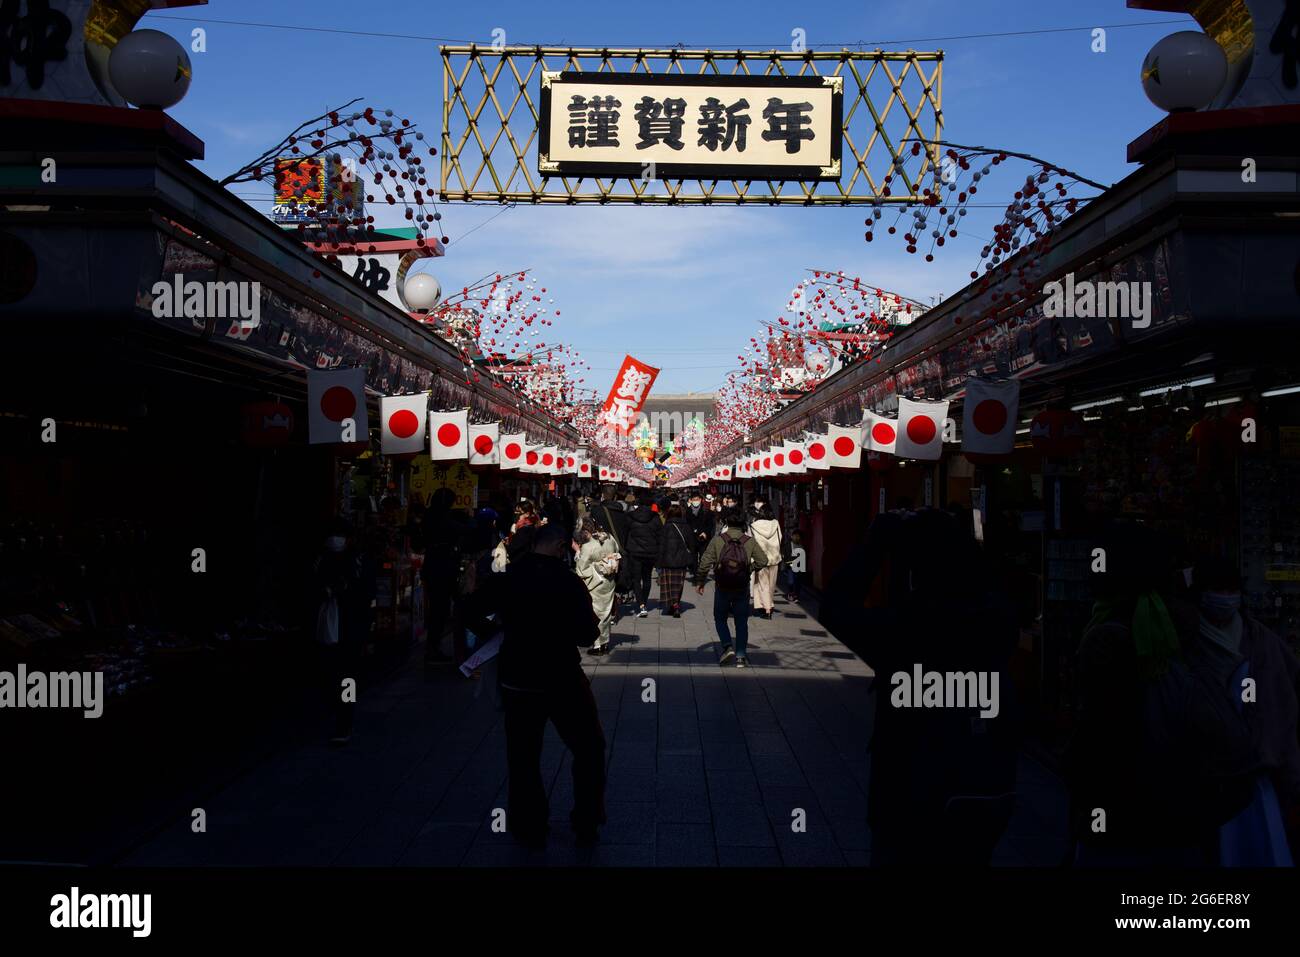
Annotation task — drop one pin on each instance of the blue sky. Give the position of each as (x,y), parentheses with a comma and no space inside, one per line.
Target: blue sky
(681,288)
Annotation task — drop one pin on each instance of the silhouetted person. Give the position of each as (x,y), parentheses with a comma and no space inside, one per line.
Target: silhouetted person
(440,571)
(547,615)
(345,578)
(913,596)
(641,551)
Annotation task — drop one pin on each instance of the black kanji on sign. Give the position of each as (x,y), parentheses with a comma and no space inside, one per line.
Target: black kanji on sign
(660,122)
(786,121)
(593,122)
(33,40)
(722,125)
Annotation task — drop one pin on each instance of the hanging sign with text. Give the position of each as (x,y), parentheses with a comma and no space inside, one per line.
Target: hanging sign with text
(659,126)
(627,396)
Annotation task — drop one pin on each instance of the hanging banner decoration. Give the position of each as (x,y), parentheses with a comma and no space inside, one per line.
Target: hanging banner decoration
(920,429)
(449,435)
(484,444)
(879,432)
(989,416)
(512,450)
(631,386)
(550,460)
(844,447)
(710,126)
(402,418)
(818,452)
(334,399)
(532,460)
(796,457)
(584,468)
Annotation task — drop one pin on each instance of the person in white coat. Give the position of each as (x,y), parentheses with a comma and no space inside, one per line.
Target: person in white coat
(597,561)
(766,531)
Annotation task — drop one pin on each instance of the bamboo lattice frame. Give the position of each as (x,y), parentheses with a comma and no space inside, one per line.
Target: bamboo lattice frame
(480,141)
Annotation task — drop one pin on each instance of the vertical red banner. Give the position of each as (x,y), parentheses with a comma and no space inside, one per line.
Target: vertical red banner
(628,395)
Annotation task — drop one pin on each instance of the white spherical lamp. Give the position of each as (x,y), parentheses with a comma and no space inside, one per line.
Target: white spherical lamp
(150,69)
(1184,71)
(421,292)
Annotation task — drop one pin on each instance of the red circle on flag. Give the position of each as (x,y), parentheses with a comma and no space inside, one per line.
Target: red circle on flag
(989,417)
(531,458)
(402,423)
(767,462)
(817,451)
(883,433)
(780,459)
(570,461)
(483,444)
(844,446)
(513,450)
(337,403)
(449,434)
(796,457)
(585,467)
(920,429)
(548,458)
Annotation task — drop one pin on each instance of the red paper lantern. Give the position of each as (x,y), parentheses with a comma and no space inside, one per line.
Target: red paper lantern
(1057,432)
(265,425)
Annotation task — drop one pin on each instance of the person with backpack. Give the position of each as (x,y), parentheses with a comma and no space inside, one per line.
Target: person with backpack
(735,556)
(675,556)
(596,561)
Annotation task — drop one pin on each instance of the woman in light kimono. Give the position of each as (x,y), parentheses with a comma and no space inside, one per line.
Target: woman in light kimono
(597,560)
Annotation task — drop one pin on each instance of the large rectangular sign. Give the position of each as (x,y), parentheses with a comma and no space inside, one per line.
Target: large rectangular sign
(668,126)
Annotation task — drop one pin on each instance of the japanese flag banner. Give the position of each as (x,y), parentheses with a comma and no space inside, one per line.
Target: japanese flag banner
(844,447)
(584,468)
(532,459)
(920,429)
(336,406)
(768,466)
(989,416)
(604,473)
(513,447)
(879,433)
(627,396)
(449,435)
(726,473)
(402,419)
(796,457)
(484,444)
(778,459)
(548,456)
(818,449)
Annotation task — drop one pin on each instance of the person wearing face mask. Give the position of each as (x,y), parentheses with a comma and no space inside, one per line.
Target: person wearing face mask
(1260,676)
(702,525)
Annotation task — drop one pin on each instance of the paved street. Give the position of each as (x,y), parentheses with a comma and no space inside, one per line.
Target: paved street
(708,774)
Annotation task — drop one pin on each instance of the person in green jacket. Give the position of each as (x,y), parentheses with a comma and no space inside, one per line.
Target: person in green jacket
(731,596)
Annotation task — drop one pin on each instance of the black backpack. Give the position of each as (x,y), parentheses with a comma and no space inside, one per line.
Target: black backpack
(733,564)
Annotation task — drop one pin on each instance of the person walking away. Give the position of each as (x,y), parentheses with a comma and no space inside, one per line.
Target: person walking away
(766,530)
(546,613)
(441,568)
(644,533)
(346,584)
(596,562)
(613,518)
(676,555)
(702,523)
(735,556)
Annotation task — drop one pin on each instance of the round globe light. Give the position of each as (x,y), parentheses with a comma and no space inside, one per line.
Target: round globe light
(150,69)
(1184,71)
(421,292)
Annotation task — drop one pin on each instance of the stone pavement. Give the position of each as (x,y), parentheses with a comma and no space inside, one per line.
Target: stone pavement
(710,773)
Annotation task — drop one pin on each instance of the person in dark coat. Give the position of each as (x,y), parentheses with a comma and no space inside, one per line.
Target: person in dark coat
(912,599)
(546,614)
(644,533)
(676,555)
(702,521)
(440,571)
(346,575)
